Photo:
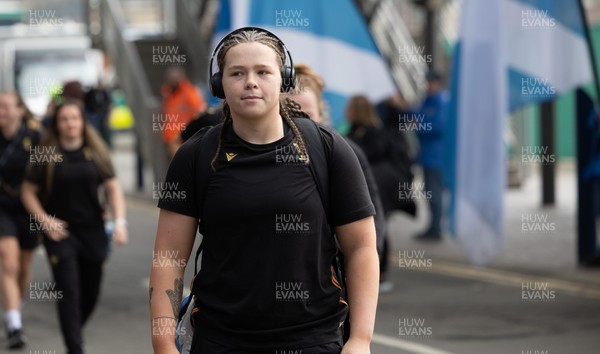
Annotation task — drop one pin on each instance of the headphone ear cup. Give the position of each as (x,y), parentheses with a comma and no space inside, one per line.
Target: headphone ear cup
(216,85)
(288,77)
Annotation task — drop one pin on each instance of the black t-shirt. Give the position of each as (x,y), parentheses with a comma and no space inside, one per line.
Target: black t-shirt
(371,140)
(266,279)
(380,222)
(12,170)
(74,194)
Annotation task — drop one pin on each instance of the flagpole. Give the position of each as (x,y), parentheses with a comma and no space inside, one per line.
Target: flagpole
(588,38)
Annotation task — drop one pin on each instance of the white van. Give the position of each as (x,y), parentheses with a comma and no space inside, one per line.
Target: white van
(38,66)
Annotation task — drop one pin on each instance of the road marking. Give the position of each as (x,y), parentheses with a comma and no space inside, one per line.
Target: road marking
(508,278)
(412,347)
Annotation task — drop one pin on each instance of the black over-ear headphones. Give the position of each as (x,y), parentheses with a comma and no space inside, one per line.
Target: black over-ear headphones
(288,74)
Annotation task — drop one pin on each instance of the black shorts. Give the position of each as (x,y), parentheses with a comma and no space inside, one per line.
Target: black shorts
(17,225)
(204,346)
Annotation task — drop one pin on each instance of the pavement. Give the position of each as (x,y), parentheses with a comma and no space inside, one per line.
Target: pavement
(455,307)
(527,248)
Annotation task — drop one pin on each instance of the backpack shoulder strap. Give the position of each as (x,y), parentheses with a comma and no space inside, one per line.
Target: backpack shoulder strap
(318,154)
(207,147)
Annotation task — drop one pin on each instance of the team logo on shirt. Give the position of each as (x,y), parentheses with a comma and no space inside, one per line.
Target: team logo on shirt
(54,260)
(88,153)
(230,156)
(26,143)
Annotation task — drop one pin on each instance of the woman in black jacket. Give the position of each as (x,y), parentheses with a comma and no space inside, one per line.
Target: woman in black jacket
(19,134)
(389,161)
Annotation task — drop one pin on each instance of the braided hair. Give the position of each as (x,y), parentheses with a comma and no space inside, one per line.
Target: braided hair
(288,108)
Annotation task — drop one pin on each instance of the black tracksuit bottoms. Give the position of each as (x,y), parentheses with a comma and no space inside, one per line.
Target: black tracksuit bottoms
(78,277)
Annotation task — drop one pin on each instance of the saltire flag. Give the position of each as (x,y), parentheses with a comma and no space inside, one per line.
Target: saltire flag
(478,111)
(510,53)
(548,53)
(330,36)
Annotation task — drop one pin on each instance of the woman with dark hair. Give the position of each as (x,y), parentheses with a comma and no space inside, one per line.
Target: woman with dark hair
(19,134)
(267,282)
(309,94)
(389,160)
(61,191)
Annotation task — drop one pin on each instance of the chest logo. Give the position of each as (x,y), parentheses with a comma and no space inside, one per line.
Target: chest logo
(230,156)
(87,152)
(26,143)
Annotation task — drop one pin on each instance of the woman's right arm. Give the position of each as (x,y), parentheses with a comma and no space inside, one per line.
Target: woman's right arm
(54,228)
(174,241)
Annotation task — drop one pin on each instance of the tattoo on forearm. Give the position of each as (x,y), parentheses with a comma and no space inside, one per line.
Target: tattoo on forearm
(150,296)
(175,295)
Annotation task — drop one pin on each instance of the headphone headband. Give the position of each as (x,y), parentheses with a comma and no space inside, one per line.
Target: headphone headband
(288,73)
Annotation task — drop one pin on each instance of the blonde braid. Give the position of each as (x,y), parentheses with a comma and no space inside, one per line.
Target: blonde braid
(227,118)
(288,109)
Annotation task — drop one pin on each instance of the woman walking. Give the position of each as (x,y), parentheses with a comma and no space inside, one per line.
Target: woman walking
(267,282)
(62,195)
(389,161)
(309,94)
(19,134)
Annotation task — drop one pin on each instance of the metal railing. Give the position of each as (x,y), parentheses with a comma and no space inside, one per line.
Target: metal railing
(449,19)
(133,82)
(390,35)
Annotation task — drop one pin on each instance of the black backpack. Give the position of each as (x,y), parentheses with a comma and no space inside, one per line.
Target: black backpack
(318,152)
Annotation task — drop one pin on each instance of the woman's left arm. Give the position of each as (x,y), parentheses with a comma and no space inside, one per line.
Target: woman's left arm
(358,242)
(117,203)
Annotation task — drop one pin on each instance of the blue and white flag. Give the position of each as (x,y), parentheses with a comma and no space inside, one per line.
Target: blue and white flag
(547,53)
(478,112)
(509,53)
(329,36)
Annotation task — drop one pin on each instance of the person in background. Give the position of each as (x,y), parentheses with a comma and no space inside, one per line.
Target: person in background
(69,90)
(181,102)
(309,94)
(63,196)
(389,168)
(97,107)
(401,146)
(19,132)
(208,118)
(366,128)
(431,155)
(73,91)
